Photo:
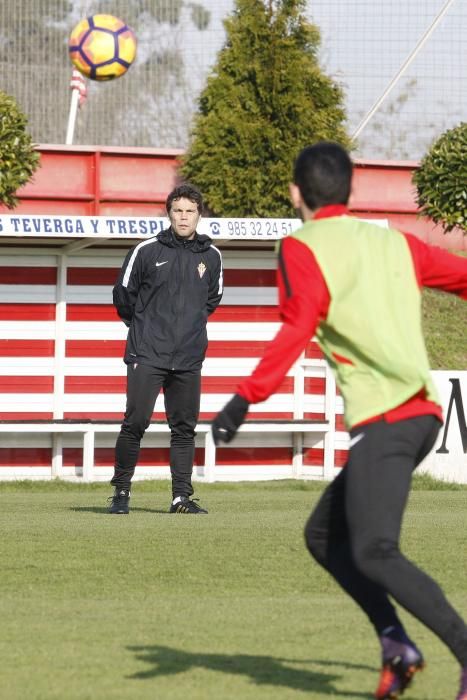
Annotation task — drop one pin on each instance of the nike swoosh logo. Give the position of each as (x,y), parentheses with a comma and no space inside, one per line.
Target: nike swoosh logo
(356,439)
(158,264)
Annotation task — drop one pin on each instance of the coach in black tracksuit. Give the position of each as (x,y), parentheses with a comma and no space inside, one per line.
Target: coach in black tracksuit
(166,289)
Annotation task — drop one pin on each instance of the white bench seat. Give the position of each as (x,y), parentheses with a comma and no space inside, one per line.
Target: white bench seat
(89,428)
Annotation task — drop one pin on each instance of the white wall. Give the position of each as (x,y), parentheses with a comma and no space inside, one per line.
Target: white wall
(448,459)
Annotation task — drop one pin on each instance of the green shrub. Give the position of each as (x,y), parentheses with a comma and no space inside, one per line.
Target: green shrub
(265,99)
(18,157)
(441,180)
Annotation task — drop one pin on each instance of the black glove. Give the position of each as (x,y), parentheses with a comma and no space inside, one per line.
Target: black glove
(228,421)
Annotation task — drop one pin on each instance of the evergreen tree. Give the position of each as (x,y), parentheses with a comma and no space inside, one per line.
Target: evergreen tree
(265,99)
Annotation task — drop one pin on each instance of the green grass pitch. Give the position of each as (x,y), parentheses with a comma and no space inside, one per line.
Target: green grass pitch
(227,606)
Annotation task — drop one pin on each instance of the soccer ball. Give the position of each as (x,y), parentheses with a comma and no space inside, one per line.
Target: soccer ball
(102,47)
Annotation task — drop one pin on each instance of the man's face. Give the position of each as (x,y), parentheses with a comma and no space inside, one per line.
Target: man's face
(184,217)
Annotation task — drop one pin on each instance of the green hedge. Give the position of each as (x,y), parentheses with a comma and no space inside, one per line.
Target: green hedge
(441,180)
(18,157)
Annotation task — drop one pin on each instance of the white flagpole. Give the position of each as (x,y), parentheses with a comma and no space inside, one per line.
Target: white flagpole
(72,116)
(78,93)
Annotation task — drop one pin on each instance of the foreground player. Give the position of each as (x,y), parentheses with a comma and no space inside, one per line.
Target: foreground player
(357,285)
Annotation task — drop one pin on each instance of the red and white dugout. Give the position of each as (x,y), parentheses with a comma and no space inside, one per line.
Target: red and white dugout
(61,342)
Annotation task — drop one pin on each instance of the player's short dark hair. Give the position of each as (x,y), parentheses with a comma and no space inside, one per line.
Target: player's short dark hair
(186,191)
(323,174)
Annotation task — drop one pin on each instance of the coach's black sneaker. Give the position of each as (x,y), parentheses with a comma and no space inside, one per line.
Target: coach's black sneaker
(120,502)
(182,504)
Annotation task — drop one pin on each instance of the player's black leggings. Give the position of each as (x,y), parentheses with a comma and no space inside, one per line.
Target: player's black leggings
(182,391)
(354,530)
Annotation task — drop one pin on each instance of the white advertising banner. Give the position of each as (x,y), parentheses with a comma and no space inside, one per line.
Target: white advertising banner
(55,226)
(448,459)
(51,226)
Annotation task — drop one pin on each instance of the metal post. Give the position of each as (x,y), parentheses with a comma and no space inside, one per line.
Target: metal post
(74,104)
(330,415)
(402,69)
(57,456)
(88,455)
(209,457)
(60,321)
(78,95)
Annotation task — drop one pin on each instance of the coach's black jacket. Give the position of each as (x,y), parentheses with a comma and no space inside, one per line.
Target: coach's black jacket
(165,292)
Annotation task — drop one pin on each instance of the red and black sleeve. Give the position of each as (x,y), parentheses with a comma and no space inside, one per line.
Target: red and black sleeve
(303,302)
(436,268)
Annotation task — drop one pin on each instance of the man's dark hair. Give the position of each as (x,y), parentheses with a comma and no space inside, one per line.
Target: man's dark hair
(186,191)
(323,174)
